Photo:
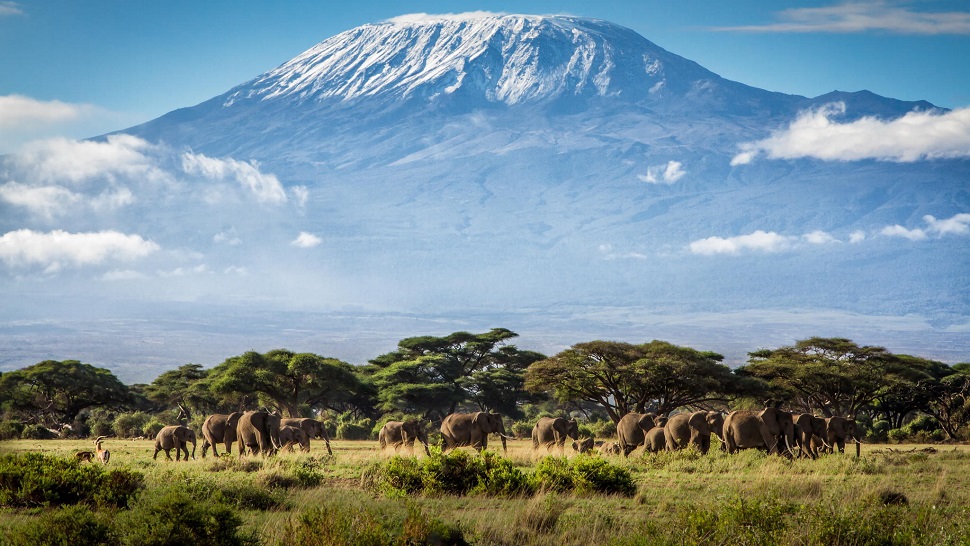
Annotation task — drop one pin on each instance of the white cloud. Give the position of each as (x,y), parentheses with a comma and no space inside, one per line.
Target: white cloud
(757,241)
(76,161)
(265,187)
(306,240)
(915,136)
(958,224)
(18,110)
(857,236)
(899,231)
(819,237)
(301,194)
(235,270)
(46,201)
(852,17)
(57,249)
(666,174)
(10,8)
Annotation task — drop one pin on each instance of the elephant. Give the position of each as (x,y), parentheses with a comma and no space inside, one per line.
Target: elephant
(609,448)
(290,435)
(631,430)
(471,429)
(585,445)
(398,433)
(655,441)
(809,433)
(690,429)
(313,428)
(259,431)
(174,436)
(219,428)
(770,428)
(840,429)
(551,431)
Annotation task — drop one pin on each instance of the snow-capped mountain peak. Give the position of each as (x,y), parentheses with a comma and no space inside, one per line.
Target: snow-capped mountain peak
(509,59)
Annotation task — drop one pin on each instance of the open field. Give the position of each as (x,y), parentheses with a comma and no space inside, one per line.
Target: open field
(681,498)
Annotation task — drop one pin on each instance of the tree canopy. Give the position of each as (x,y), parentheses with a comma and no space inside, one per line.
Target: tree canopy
(434,376)
(624,377)
(55,392)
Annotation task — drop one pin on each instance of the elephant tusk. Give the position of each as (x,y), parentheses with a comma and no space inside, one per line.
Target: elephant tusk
(506,436)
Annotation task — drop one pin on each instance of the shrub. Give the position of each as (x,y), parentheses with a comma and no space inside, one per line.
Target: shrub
(151,427)
(457,473)
(68,526)
(603,428)
(11,430)
(880,431)
(130,425)
(37,432)
(554,474)
(597,475)
(172,516)
(34,479)
(354,431)
(522,429)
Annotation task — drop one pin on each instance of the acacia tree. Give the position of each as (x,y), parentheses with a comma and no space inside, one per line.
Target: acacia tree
(434,376)
(949,402)
(290,380)
(184,388)
(623,377)
(833,376)
(53,392)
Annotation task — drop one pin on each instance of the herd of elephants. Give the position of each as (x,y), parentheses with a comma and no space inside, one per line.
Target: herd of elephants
(770,429)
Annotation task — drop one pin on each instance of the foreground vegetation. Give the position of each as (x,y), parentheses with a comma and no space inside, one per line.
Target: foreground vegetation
(899,494)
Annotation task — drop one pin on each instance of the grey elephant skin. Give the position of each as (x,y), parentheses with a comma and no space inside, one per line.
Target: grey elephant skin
(693,429)
(585,445)
(770,428)
(259,431)
(313,428)
(632,429)
(291,435)
(655,440)
(403,433)
(553,431)
(219,428)
(471,429)
(809,433)
(839,430)
(174,437)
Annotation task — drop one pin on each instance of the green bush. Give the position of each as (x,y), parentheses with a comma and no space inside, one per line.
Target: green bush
(879,431)
(37,432)
(129,425)
(151,427)
(457,473)
(171,515)
(603,428)
(597,475)
(11,430)
(34,479)
(355,431)
(584,474)
(67,526)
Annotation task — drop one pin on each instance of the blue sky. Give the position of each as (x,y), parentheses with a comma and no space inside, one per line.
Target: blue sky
(82,68)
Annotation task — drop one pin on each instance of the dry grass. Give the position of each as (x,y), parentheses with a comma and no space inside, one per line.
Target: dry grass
(671,486)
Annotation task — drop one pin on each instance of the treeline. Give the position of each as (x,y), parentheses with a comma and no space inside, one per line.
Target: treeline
(892,397)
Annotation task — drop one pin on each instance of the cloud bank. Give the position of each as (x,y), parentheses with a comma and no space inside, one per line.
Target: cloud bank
(913,137)
(855,17)
(57,249)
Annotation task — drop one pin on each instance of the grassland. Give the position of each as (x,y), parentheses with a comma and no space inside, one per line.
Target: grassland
(898,494)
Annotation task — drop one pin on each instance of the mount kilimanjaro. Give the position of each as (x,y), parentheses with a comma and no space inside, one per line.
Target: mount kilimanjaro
(558,167)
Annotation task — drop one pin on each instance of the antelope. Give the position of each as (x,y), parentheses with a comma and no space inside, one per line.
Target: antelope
(85,456)
(103,454)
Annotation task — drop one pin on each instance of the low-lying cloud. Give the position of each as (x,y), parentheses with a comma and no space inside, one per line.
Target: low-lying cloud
(760,241)
(855,17)
(915,136)
(265,187)
(58,249)
(306,240)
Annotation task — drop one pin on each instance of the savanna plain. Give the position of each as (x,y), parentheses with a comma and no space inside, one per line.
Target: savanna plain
(891,494)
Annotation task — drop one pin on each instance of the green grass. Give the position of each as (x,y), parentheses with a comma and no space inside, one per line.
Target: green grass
(680,498)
